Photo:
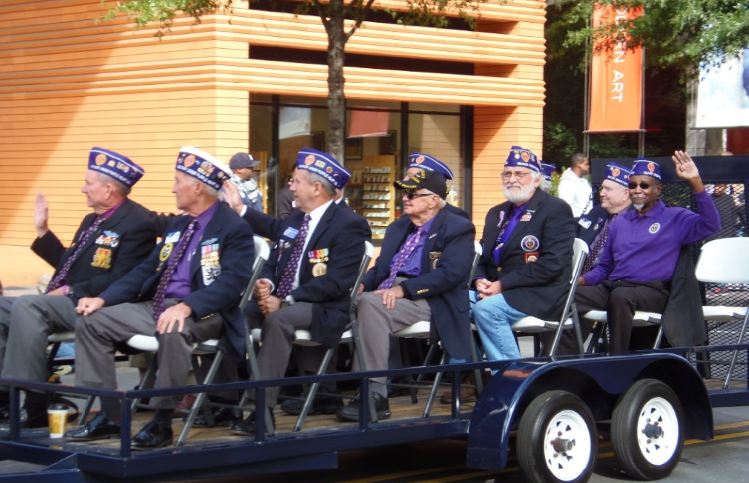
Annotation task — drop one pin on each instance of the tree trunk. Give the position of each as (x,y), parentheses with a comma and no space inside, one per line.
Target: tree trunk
(336,97)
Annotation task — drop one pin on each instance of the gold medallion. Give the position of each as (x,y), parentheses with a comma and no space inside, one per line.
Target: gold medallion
(319,269)
(166,250)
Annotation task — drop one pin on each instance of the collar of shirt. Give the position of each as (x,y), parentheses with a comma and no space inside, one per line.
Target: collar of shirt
(112,210)
(206,216)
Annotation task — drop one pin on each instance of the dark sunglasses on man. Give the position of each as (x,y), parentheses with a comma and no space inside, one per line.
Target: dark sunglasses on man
(643,185)
(411,194)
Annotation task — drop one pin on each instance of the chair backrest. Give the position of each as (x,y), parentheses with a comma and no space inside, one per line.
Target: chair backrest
(262,252)
(579,254)
(725,260)
(368,254)
(477,251)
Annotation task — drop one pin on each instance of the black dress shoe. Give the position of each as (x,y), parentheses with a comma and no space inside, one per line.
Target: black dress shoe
(321,405)
(101,427)
(155,434)
(247,427)
(221,417)
(350,412)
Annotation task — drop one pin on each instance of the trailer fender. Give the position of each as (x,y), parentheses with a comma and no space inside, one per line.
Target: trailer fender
(597,380)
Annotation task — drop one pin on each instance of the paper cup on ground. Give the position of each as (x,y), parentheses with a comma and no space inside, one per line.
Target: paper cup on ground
(58,416)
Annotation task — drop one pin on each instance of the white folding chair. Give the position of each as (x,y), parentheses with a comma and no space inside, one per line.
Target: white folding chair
(303,337)
(641,319)
(725,261)
(147,343)
(568,320)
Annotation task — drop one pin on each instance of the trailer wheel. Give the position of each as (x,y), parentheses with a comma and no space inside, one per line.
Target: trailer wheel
(646,430)
(557,439)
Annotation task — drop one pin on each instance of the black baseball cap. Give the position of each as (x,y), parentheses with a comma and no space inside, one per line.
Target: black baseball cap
(428,180)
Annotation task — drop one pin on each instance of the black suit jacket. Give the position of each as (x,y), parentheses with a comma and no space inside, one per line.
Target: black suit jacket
(683,320)
(342,233)
(268,226)
(214,289)
(590,225)
(121,242)
(534,280)
(445,266)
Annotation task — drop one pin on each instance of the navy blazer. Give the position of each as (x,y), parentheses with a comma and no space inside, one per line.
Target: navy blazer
(338,244)
(591,224)
(214,289)
(535,264)
(268,226)
(121,242)
(443,282)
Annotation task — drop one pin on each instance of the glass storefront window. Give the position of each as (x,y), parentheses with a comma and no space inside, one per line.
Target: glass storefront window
(374,149)
(439,135)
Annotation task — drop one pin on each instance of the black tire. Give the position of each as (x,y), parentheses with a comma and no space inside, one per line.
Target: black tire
(568,459)
(649,405)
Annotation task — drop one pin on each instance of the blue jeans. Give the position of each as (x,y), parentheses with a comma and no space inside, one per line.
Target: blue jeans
(494,318)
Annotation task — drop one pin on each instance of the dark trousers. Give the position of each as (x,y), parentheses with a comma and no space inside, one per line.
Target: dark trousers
(620,300)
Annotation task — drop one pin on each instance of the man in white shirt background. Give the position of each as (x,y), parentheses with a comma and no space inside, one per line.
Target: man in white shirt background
(574,187)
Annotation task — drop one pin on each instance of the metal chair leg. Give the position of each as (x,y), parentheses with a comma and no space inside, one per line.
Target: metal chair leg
(477,372)
(86,410)
(200,399)
(435,387)
(146,382)
(736,352)
(313,391)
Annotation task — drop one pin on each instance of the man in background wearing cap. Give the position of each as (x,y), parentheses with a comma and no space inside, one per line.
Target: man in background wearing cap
(574,188)
(592,228)
(307,281)
(421,274)
(187,290)
(423,163)
(547,170)
(637,263)
(118,235)
(244,167)
(525,267)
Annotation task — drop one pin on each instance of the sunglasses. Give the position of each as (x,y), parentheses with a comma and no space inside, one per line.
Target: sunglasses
(643,185)
(411,195)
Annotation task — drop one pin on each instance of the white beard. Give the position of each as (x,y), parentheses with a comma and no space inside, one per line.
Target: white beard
(638,207)
(518,197)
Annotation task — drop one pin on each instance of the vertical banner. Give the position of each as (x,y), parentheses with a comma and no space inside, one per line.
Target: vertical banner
(616,77)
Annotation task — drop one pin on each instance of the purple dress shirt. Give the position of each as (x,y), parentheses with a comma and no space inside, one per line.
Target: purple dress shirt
(645,248)
(179,286)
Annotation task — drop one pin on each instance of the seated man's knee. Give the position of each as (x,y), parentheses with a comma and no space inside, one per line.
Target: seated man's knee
(276,323)
(619,297)
(482,309)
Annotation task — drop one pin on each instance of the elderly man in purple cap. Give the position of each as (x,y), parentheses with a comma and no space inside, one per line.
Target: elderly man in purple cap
(637,263)
(525,266)
(307,281)
(118,235)
(186,291)
(424,163)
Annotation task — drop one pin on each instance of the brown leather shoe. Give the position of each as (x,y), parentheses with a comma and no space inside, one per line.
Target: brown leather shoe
(467,394)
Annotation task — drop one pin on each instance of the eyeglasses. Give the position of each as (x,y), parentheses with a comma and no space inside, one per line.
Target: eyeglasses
(520,175)
(643,185)
(411,195)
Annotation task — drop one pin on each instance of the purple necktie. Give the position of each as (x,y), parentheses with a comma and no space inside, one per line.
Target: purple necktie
(171,266)
(596,247)
(286,283)
(400,259)
(59,279)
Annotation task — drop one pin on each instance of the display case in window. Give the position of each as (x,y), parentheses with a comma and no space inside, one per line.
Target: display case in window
(378,194)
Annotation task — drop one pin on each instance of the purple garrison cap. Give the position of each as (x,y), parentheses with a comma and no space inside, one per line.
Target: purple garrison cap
(202,166)
(647,168)
(523,158)
(429,163)
(618,174)
(114,165)
(323,164)
(547,169)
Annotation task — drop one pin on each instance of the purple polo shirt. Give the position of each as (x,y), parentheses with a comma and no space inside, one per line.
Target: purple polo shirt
(645,248)
(179,286)
(412,267)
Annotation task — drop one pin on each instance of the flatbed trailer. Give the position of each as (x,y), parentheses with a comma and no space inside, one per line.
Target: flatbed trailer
(547,412)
